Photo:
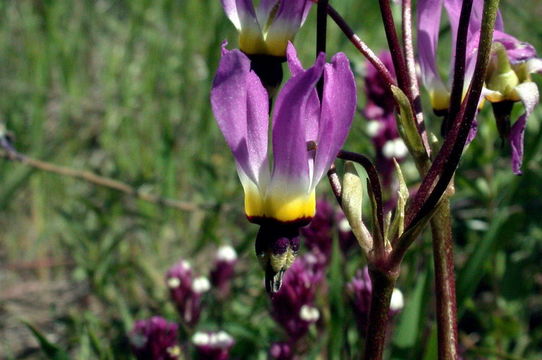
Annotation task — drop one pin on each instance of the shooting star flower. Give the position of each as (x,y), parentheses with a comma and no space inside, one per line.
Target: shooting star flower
(307,134)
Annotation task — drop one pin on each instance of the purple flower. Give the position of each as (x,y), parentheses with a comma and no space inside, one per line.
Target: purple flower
(429,16)
(186,291)
(306,136)
(223,269)
(360,290)
(382,126)
(212,345)
(292,306)
(154,339)
(508,80)
(267,29)
(318,236)
(281,351)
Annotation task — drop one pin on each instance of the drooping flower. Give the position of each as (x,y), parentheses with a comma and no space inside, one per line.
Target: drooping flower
(429,18)
(155,339)
(267,28)
(508,80)
(223,270)
(186,291)
(212,345)
(306,136)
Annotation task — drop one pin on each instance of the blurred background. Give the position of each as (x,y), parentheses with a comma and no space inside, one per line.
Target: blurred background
(121,88)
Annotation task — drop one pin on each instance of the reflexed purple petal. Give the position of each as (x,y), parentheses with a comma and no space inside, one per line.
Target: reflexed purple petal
(230,8)
(528,92)
(240,105)
(516,50)
(429,13)
(289,143)
(264,10)
(312,110)
(294,64)
(241,13)
(338,107)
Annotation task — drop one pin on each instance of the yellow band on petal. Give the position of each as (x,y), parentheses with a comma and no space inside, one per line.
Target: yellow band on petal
(440,99)
(280,207)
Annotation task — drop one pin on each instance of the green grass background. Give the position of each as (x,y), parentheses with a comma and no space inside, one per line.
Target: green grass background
(121,88)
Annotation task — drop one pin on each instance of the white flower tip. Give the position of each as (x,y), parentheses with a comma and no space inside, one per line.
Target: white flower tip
(344,225)
(200,338)
(395,149)
(309,313)
(373,127)
(226,253)
(201,285)
(173,282)
(397,301)
(186,265)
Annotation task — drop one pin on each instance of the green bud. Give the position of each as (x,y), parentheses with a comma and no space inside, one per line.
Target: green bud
(352,198)
(501,76)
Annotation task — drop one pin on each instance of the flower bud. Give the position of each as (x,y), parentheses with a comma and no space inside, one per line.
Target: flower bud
(212,345)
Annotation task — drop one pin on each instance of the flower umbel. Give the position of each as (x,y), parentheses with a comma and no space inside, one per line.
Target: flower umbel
(307,134)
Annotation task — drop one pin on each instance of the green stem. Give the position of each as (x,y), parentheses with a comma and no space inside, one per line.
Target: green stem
(443,255)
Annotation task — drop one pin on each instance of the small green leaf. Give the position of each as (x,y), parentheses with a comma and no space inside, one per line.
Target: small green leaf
(50,350)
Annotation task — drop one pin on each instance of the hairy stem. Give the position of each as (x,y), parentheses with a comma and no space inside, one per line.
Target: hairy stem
(443,256)
(383,283)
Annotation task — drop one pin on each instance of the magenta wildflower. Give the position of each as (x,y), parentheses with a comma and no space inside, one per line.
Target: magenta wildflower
(155,339)
(212,345)
(223,270)
(318,234)
(382,126)
(307,134)
(281,351)
(186,291)
(292,306)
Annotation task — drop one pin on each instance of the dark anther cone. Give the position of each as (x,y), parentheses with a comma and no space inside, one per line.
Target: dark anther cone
(269,70)
(276,248)
(502,111)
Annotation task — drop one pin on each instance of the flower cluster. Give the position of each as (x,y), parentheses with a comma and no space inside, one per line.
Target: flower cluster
(223,270)
(186,291)
(382,125)
(318,234)
(212,345)
(155,339)
(293,306)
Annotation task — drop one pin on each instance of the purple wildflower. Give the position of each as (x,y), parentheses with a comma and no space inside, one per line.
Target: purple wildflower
(318,236)
(154,339)
(281,351)
(282,198)
(186,291)
(212,345)
(508,81)
(223,269)
(382,126)
(292,306)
